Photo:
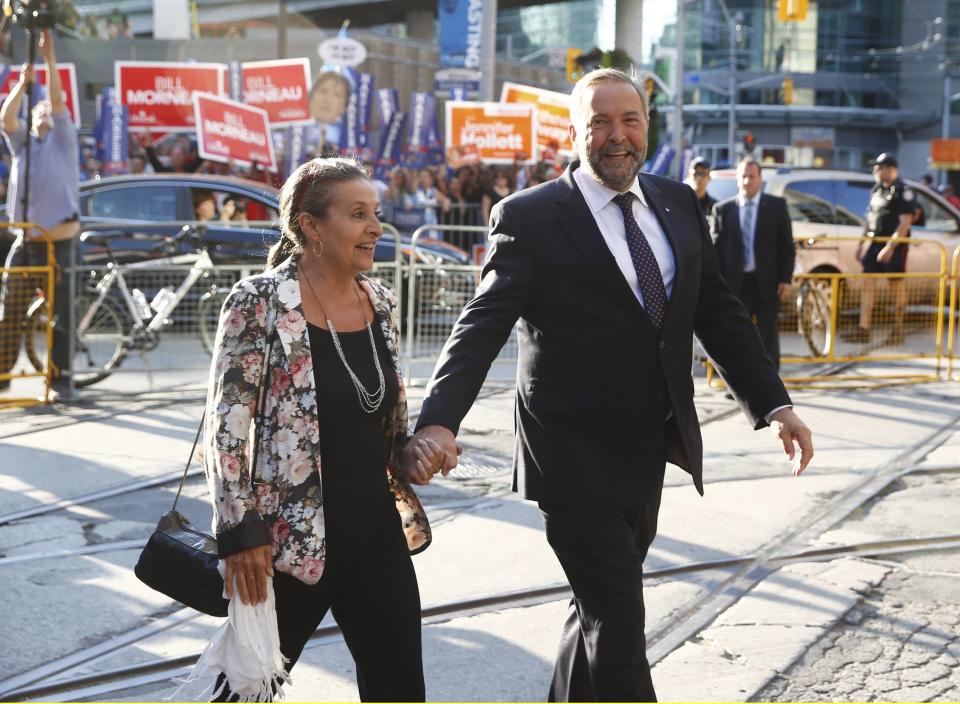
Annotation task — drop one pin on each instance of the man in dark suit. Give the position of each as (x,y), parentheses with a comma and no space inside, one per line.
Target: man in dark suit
(755,251)
(609,275)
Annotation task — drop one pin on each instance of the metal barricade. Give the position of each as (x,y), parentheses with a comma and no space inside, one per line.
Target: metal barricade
(905,318)
(26,325)
(436,295)
(953,335)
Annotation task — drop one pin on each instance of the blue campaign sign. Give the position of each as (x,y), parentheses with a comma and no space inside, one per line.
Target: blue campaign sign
(461,31)
(661,160)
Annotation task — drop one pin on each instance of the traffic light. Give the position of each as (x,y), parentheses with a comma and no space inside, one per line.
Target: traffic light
(748,143)
(574,70)
(786,91)
(793,10)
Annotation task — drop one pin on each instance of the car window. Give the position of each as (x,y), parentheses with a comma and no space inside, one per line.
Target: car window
(811,201)
(241,209)
(935,217)
(147,202)
(851,201)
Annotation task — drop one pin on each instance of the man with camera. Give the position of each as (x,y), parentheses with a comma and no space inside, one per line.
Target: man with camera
(52,180)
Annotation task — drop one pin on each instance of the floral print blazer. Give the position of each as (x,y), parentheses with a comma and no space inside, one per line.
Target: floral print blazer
(283,505)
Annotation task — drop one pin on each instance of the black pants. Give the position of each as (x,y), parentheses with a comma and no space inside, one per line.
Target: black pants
(370,584)
(18,291)
(602,655)
(765,307)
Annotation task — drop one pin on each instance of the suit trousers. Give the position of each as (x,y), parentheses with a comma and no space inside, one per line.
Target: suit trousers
(602,654)
(370,585)
(765,308)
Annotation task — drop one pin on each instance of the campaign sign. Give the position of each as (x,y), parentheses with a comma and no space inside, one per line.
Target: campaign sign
(502,133)
(160,94)
(281,88)
(68,81)
(553,115)
(228,130)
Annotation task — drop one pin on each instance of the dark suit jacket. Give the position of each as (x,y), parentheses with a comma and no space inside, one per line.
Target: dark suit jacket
(773,246)
(595,379)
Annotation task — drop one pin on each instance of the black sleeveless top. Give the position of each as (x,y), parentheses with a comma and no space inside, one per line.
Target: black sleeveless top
(353,446)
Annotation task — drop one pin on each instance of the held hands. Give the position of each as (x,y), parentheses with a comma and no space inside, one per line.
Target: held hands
(432,449)
(789,428)
(251,568)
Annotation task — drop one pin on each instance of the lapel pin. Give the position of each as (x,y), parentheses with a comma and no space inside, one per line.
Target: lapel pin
(667,209)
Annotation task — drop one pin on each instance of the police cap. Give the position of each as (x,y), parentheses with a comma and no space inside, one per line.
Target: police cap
(885,159)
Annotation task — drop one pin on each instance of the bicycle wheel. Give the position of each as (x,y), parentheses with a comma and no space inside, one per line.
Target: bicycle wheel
(813,316)
(208,316)
(35,335)
(100,342)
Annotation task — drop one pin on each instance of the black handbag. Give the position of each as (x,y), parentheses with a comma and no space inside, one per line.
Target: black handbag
(181,561)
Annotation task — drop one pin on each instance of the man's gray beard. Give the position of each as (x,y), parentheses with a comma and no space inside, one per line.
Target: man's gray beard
(608,180)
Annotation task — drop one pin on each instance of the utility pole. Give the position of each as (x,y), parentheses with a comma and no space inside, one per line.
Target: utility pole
(733,23)
(488,50)
(678,90)
(282,30)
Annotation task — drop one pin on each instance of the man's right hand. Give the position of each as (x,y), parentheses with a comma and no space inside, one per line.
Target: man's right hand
(440,436)
(28,74)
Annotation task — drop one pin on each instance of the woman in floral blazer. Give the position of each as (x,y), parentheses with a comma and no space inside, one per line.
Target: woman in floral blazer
(310,347)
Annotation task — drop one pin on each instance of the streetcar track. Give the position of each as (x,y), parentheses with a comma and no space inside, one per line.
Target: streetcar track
(164,669)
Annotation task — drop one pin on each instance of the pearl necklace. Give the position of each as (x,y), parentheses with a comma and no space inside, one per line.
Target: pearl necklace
(369,402)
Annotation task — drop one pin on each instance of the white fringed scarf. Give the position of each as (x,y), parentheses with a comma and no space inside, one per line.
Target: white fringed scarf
(246,648)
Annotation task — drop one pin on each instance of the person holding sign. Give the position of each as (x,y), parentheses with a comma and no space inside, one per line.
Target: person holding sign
(327,521)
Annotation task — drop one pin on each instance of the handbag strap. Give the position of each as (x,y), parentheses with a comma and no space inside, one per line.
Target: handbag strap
(258,425)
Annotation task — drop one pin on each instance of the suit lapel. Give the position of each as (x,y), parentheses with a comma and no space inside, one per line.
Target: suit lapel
(577,223)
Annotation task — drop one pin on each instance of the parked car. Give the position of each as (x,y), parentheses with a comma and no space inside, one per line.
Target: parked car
(142,210)
(826,203)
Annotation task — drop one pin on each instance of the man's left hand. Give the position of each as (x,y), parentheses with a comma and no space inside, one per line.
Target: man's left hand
(789,428)
(782,290)
(885,254)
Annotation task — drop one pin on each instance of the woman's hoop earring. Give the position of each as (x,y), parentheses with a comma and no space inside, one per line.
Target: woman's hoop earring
(313,246)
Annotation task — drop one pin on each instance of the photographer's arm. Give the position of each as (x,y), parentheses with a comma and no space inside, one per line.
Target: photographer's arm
(54,86)
(10,112)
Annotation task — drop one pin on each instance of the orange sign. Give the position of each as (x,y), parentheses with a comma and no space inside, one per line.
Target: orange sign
(553,115)
(945,154)
(502,134)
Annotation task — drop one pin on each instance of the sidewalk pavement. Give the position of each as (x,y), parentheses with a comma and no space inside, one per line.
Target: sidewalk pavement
(487,541)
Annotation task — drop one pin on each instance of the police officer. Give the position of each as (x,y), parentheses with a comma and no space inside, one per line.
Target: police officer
(890,213)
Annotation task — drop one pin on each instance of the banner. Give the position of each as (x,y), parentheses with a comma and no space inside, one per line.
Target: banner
(501,133)
(114,152)
(660,163)
(392,135)
(281,88)
(296,148)
(355,124)
(235,80)
(68,81)
(231,131)
(553,116)
(461,33)
(422,111)
(388,103)
(160,94)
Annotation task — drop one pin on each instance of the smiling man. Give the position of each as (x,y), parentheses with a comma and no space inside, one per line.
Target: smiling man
(610,273)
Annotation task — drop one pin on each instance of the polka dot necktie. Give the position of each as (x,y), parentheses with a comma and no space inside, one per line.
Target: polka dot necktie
(645,264)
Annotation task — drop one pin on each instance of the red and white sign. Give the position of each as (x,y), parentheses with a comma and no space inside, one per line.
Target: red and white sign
(160,94)
(231,131)
(68,81)
(281,87)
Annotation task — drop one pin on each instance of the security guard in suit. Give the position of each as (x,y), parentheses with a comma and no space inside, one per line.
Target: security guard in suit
(890,213)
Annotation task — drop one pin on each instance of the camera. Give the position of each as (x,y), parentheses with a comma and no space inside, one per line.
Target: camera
(34,14)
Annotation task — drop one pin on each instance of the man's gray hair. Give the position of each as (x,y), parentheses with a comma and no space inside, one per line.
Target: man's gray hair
(603,75)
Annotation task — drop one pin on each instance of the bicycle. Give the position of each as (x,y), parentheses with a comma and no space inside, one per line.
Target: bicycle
(110,327)
(813,315)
